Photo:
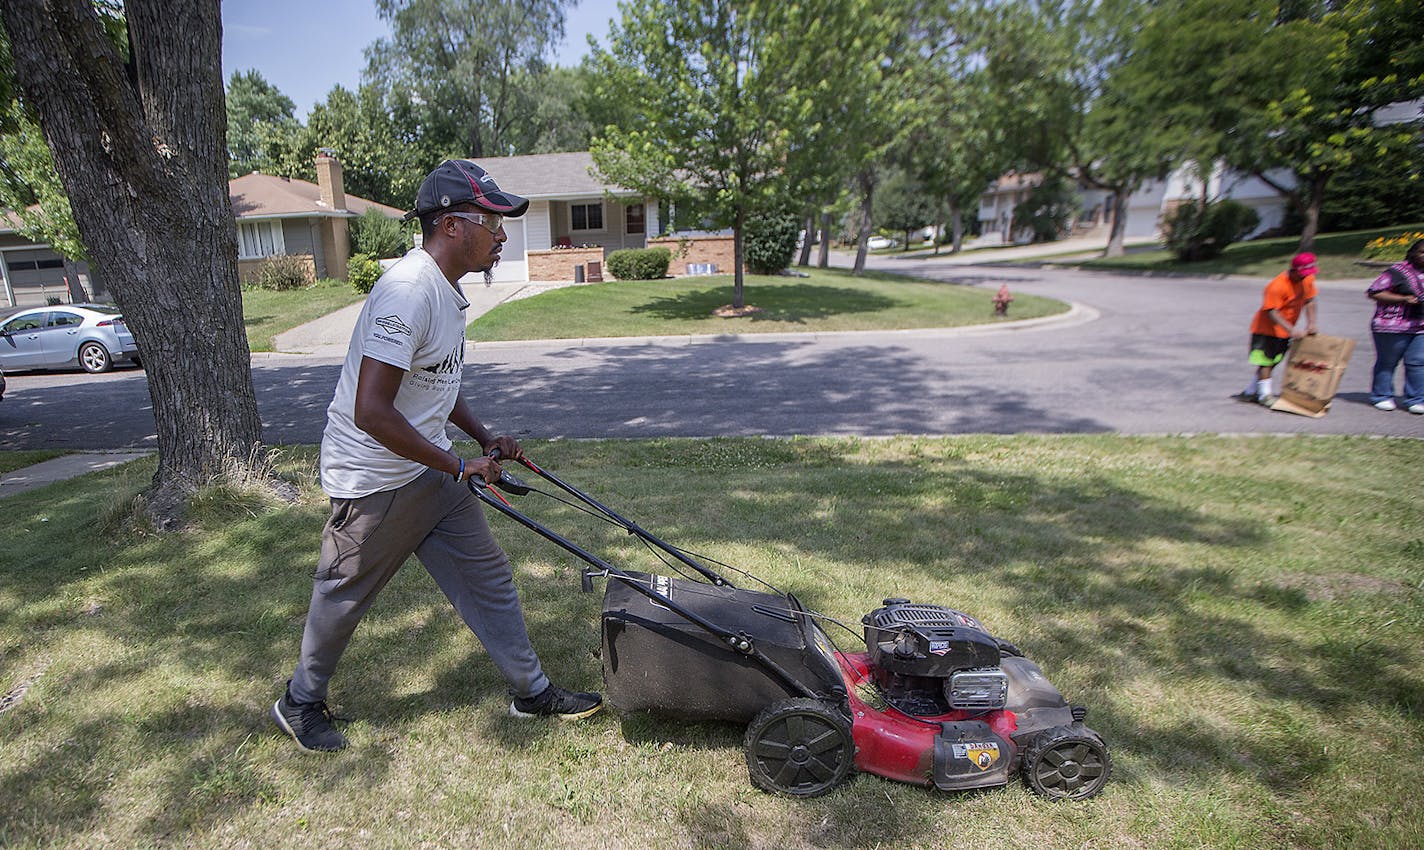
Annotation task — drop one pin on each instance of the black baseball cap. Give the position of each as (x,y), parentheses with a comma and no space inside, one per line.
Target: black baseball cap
(460,181)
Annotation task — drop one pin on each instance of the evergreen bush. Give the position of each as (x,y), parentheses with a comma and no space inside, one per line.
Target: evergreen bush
(769,241)
(1196,232)
(376,235)
(362,272)
(639,263)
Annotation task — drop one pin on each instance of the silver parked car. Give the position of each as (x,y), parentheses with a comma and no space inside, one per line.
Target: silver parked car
(93,336)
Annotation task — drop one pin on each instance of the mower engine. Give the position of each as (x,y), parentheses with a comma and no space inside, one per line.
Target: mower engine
(928,660)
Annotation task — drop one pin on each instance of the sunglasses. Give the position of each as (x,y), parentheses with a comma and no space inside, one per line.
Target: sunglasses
(489,221)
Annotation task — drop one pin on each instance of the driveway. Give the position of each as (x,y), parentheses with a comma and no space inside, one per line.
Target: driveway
(1142,355)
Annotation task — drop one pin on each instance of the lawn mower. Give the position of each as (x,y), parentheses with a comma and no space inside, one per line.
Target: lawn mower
(934,699)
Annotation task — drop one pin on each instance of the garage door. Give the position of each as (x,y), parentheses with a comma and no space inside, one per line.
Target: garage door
(513,264)
(36,276)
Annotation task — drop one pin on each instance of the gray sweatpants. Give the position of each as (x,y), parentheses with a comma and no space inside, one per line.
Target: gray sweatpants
(367,539)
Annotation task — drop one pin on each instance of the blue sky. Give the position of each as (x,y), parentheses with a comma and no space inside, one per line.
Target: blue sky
(305,47)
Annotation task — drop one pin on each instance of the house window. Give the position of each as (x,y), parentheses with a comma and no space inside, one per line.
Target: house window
(258,239)
(633,218)
(586,216)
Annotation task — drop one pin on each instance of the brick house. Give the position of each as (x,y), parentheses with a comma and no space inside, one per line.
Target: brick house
(282,215)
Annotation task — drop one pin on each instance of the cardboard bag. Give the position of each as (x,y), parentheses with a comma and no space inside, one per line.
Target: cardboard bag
(1313,371)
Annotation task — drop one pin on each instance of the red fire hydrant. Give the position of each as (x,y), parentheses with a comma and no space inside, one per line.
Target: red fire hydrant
(1001,301)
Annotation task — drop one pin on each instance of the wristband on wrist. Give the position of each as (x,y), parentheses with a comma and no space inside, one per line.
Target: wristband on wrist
(461,473)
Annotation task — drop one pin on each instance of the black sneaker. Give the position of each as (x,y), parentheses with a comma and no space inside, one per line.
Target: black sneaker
(309,724)
(556,702)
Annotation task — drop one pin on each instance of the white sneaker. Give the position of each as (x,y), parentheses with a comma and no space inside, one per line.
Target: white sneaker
(1387,404)
(1416,409)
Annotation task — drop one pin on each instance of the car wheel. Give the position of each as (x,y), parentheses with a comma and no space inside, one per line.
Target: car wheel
(95,358)
(801,747)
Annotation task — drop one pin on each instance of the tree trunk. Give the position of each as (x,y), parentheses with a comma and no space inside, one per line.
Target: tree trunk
(739,299)
(956,222)
(867,189)
(1311,210)
(141,153)
(823,257)
(805,258)
(1119,224)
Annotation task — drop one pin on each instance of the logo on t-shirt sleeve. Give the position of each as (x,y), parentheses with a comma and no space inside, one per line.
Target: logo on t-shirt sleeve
(393,325)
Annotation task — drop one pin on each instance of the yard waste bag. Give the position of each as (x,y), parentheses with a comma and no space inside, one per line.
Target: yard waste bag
(1313,371)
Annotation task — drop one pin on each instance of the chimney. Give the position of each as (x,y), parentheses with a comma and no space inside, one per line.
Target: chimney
(328,178)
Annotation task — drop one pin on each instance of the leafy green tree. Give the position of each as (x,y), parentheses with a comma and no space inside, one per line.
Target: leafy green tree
(253,105)
(1064,76)
(721,104)
(904,204)
(465,65)
(1289,85)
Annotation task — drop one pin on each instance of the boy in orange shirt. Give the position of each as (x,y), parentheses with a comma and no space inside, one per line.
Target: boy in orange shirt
(1278,322)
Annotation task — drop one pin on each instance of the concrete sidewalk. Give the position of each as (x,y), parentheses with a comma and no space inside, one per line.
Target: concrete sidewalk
(329,335)
(61,468)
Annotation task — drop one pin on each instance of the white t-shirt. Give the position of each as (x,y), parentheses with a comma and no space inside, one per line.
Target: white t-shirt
(415,319)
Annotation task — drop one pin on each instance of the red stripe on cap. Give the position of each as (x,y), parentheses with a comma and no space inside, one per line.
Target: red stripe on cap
(479,195)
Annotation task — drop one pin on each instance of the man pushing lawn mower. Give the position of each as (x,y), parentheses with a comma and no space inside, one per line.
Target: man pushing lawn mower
(396,487)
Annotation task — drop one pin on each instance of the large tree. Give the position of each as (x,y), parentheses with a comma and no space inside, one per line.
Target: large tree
(254,108)
(1294,86)
(719,106)
(1099,122)
(466,62)
(140,147)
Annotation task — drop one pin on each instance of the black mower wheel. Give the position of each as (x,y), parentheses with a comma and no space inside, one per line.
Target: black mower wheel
(801,747)
(1066,763)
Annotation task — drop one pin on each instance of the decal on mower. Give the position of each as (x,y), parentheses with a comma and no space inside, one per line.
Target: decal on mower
(939,647)
(661,585)
(983,755)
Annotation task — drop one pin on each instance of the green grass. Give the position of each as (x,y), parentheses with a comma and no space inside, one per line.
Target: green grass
(267,313)
(828,300)
(1243,616)
(1337,253)
(11,461)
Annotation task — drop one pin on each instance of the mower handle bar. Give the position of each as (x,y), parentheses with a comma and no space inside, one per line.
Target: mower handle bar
(738,642)
(510,484)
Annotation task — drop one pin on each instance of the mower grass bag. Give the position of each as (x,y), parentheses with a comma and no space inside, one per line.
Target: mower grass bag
(658,660)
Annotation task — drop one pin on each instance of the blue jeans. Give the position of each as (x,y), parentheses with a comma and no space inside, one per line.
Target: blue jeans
(1389,350)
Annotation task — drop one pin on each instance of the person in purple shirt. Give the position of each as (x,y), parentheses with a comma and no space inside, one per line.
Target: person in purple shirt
(1398,329)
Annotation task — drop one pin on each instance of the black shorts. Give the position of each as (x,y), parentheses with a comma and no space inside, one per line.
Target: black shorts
(1267,350)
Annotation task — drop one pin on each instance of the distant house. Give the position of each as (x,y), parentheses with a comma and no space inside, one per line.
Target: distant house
(568,209)
(283,215)
(275,215)
(1145,207)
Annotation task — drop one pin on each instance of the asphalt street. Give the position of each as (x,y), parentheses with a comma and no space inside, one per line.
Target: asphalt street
(1139,355)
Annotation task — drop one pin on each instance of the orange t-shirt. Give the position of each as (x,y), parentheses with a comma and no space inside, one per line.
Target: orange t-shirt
(1285,296)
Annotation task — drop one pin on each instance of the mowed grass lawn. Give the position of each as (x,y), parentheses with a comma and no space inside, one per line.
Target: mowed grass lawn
(828,300)
(1336,253)
(267,313)
(1242,616)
